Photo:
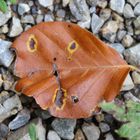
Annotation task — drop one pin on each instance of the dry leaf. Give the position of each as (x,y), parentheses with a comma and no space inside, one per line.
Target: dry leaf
(67,69)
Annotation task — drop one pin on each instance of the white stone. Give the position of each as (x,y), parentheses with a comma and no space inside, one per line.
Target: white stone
(117,5)
(137,10)
(16,28)
(136,77)
(10,107)
(6,56)
(128,11)
(45,3)
(128,84)
(4,17)
(23,8)
(52,135)
(96,23)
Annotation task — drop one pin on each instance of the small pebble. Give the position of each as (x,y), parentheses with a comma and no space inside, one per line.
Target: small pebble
(96,23)
(16,27)
(91,131)
(104,127)
(27,19)
(117,5)
(20,120)
(64,127)
(52,135)
(23,8)
(127,41)
(128,11)
(137,10)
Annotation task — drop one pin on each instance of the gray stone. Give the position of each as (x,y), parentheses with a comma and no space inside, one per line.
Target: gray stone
(109,30)
(121,34)
(109,137)
(49,17)
(128,84)
(8,79)
(6,56)
(92,9)
(104,127)
(79,135)
(117,5)
(136,77)
(137,23)
(23,8)
(61,13)
(27,19)
(5,29)
(4,17)
(64,127)
(116,17)
(27,27)
(80,11)
(130,96)
(137,10)
(128,11)
(16,28)
(39,18)
(91,131)
(92,2)
(105,14)
(52,135)
(4,95)
(23,132)
(133,2)
(44,114)
(132,55)
(96,23)
(20,120)
(65,2)
(45,3)
(10,107)
(102,3)
(127,41)
(118,47)
(1,80)
(4,130)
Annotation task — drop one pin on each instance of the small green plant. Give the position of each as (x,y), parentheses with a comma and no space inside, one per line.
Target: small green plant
(3,4)
(129,114)
(32,131)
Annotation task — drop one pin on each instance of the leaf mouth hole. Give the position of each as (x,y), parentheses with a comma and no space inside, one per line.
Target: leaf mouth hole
(60,98)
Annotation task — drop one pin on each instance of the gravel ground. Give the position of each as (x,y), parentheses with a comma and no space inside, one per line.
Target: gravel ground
(116,22)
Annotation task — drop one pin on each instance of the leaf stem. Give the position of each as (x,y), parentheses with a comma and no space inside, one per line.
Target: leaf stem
(134,68)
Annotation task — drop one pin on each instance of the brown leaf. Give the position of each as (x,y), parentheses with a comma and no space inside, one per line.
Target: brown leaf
(67,69)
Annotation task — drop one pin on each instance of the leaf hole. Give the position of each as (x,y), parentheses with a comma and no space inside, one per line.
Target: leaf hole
(74,99)
(54,59)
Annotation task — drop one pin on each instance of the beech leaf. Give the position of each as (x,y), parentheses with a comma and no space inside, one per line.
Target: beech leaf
(67,69)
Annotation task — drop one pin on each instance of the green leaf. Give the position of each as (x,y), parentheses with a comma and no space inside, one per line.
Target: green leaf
(13,1)
(117,111)
(130,130)
(3,6)
(32,131)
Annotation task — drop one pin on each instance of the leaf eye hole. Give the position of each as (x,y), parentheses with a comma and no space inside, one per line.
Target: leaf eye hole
(32,44)
(72,47)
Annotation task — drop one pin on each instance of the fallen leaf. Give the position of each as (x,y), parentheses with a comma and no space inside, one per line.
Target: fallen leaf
(67,69)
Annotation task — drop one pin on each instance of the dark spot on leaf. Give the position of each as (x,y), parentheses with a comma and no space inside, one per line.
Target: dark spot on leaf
(74,99)
(59,98)
(69,26)
(73,46)
(54,59)
(32,44)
